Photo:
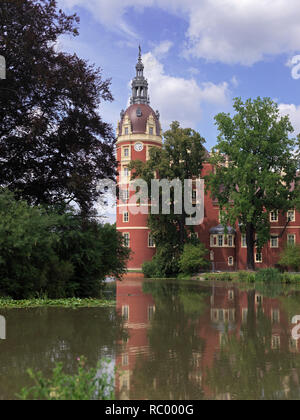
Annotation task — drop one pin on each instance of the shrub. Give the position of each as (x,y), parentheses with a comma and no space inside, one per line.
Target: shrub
(151,269)
(290,258)
(84,385)
(55,253)
(268,275)
(163,265)
(193,259)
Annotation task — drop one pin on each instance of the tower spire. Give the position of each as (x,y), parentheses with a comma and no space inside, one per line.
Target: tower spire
(139,84)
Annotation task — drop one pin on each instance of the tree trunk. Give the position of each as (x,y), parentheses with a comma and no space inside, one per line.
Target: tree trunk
(250,246)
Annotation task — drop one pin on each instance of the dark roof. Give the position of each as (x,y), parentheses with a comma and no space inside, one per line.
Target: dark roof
(138,115)
(220,229)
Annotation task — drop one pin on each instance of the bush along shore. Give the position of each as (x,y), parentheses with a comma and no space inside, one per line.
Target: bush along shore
(268,275)
(8,303)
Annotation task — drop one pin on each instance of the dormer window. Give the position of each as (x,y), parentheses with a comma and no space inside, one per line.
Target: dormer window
(126,131)
(151,131)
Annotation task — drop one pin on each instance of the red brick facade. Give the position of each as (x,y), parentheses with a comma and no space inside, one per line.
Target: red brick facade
(138,131)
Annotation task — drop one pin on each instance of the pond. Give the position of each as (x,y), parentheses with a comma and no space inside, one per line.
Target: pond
(167,340)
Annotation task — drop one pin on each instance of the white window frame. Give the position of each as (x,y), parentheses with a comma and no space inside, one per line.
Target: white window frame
(260,261)
(276,244)
(151,243)
(151,312)
(125,312)
(125,359)
(276,342)
(243,241)
(230,261)
(126,236)
(125,195)
(272,216)
(288,239)
(125,217)
(230,239)
(126,152)
(293,219)
(219,241)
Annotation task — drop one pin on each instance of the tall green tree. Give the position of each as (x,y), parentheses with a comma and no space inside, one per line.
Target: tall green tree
(181,157)
(45,252)
(54,145)
(255,167)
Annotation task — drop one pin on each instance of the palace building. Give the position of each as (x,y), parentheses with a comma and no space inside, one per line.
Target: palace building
(138,130)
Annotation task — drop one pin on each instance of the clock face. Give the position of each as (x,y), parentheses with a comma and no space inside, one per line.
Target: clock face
(138,147)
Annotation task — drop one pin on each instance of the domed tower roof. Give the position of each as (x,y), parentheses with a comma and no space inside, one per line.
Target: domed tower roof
(138,114)
(139,111)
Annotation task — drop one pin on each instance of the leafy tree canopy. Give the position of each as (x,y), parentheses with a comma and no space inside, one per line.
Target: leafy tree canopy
(255,167)
(45,252)
(181,157)
(54,146)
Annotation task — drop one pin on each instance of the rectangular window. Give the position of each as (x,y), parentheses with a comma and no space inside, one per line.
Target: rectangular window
(126,151)
(125,359)
(230,240)
(126,239)
(258,257)
(274,242)
(126,131)
(275,316)
(258,299)
(151,312)
(126,172)
(275,342)
(220,240)
(151,131)
(151,243)
(244,241)
(125,312)
(230,261)
(274,216)
(291,239)
(231,294)
(291,215)
(125,195)
(125,217)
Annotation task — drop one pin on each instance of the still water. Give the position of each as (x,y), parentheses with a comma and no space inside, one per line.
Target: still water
(167,340)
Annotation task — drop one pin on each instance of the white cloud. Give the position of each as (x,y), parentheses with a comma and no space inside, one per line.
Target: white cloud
(162,49)
(179,98)
(293,111)
(294,64)
(229,31)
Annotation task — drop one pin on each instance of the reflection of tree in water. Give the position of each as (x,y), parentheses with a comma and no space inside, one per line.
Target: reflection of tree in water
(248,368)
(37,338)
(172,370)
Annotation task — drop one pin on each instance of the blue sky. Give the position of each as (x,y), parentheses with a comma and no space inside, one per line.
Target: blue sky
(198,54)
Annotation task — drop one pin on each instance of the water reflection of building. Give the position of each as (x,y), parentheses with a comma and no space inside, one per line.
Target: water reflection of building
(229,313)
(137,310)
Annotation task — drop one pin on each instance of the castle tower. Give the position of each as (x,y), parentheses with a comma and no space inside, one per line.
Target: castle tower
(138,130)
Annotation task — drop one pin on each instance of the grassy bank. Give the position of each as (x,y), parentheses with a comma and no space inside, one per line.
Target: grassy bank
(63,303)
(269,275)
